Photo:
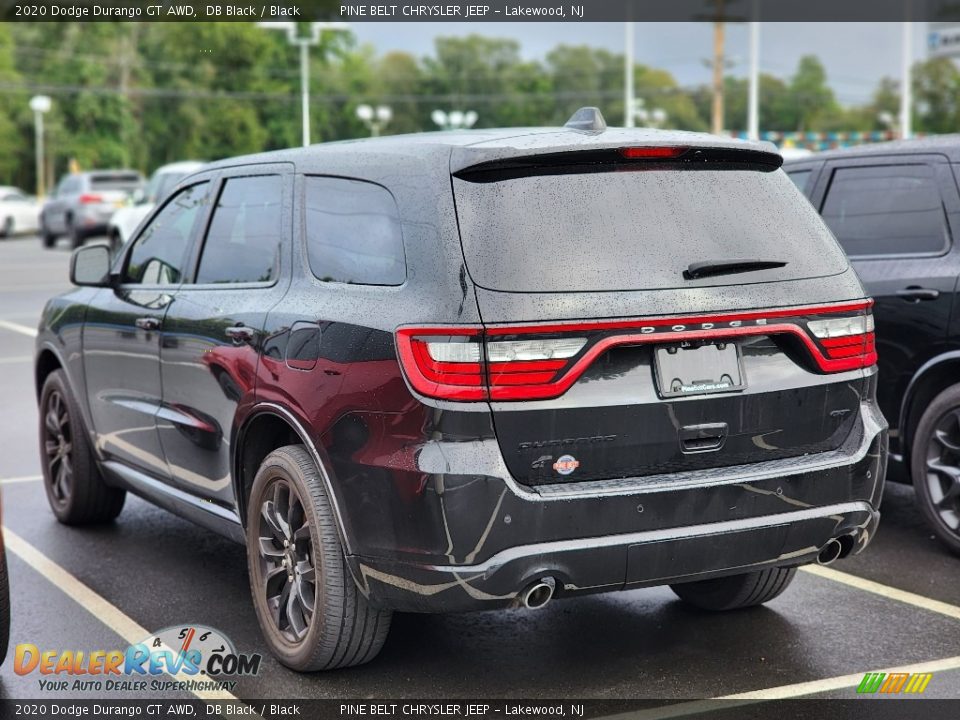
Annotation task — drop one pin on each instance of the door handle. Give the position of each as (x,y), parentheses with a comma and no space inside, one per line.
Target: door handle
(240,333)
(916,294)
(147,323)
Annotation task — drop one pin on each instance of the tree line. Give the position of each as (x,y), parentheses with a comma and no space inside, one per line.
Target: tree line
(143,94)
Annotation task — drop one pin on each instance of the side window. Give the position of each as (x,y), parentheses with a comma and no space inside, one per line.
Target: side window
(801,178)
(243,242)
(886,210)
(353,232)
(159,254)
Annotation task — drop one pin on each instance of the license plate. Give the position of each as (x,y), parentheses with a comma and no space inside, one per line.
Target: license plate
(700,370)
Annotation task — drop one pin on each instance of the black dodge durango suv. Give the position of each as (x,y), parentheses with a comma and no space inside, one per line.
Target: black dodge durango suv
(460,371)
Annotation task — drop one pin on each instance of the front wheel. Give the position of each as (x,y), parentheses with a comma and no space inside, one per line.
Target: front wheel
(75,489)
(7,229)
(736,591)
(312,614)
(935,466)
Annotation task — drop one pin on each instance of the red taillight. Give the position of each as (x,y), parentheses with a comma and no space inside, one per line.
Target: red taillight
(652,153)
(506,363)
(453,376)
(460,364)
(90,199)
(847,341)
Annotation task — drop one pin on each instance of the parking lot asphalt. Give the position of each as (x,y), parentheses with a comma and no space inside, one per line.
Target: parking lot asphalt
(896,605)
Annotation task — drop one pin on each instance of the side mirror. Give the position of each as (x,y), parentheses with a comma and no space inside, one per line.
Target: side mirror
(90,266)
(139,196)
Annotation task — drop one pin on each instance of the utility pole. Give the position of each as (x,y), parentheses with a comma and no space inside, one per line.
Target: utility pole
(716,117)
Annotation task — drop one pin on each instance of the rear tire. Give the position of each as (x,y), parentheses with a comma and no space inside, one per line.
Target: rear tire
(75,234)
(75,488)
(736,591)
(935,466)
(47,237)
(311,613)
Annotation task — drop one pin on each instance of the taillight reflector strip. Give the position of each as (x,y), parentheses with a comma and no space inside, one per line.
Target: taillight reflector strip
(472,363)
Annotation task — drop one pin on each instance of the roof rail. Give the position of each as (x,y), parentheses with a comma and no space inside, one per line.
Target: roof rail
(588,120)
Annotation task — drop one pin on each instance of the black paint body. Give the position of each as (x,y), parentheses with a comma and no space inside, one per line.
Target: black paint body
(916,313)
(441,504)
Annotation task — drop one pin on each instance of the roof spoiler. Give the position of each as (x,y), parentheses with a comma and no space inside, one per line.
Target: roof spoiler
(621,159)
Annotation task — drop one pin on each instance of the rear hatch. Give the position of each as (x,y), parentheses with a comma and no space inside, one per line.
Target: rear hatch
(651,310)
(112,190)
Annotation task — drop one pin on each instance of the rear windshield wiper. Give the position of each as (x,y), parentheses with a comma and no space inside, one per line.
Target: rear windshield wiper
(708,268)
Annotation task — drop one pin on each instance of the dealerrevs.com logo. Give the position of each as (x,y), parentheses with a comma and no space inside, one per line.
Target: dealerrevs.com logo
(198,657)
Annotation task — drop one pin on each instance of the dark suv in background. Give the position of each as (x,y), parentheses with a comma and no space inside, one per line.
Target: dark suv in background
(895,209)
(458,371)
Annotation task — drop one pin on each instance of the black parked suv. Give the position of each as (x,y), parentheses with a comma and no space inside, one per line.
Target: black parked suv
(459,371)
(895,209)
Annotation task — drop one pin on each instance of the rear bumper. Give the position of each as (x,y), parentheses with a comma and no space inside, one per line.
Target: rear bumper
(635,532)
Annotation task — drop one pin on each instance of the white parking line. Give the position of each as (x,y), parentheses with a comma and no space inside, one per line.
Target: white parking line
(23,479)
(98,606)
(18,328)
(783,692)
(891,593)
(16,359)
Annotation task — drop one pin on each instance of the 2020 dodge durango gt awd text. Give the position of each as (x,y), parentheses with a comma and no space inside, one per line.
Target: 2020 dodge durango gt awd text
(461,371)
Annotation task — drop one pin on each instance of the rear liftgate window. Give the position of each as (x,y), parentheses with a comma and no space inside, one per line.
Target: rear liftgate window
(622,220)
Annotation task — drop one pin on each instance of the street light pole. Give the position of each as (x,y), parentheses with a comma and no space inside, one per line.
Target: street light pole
(906,85)
(375,118)
(305,89)
(39,104)
(304,43)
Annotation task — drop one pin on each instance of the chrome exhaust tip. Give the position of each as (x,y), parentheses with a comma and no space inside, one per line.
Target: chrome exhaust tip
(829,552)
(539,593)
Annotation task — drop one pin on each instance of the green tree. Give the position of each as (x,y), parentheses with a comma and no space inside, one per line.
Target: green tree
(812,97)
(936,85)
(13,116)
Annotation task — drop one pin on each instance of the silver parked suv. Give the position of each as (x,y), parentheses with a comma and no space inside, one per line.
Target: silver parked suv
(83,203)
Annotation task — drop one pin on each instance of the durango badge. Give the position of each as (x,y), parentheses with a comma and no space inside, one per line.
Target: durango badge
(566,464)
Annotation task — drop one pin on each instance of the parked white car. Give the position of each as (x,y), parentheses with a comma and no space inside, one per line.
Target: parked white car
(125,221)
(19,212)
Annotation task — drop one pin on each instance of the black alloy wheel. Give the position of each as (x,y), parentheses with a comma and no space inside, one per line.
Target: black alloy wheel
(72,481)
(312,614)
(58,447)
(943,469)
(935,466)
(288,575)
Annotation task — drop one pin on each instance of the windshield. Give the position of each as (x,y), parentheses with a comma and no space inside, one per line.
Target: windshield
(638,230)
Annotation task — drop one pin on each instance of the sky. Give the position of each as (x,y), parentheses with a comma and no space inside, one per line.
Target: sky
(856,55)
